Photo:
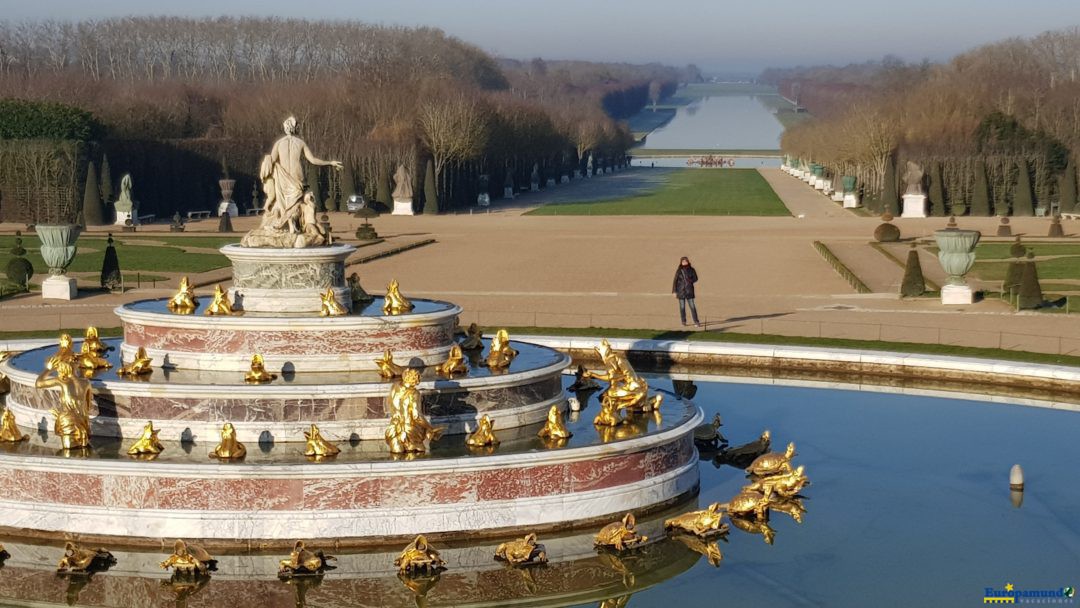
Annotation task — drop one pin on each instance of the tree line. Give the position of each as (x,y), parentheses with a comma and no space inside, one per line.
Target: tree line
(997,128)
(178,102)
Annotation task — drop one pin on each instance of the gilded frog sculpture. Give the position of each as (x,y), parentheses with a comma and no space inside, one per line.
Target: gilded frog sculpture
(555,427)
(501,354)
(318,447)
(330,307)
(620,535)
(419,557)
(220,305)
(394,303)
(189,559)
(454,365)
(784,485)
(484,435)
(77,559)
(706,522)
(229,448)
(90,360)
(474,338)
(94,340)
(772,463)
(304,562)
(522,551)
(258,374)
(139,366)
(147,443)
(9,431)
(387,368)
(183,302)
(748,503)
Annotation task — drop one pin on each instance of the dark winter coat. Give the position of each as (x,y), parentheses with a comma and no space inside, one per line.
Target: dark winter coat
(683,287)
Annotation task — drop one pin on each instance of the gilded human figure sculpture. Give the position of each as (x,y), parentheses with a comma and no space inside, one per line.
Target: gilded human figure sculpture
(189,559)
(220,305)
(474,338)
(139,366)
(9,431)
(772,463)
(419,557)
(65,351)
(394,303)
(258,374)
(93,341)
(409,431)
(620,535)
(183,301)
(329,306)
(147,443)
(501,353)
(229,448)
(77,559)
(484,435)
(72,423)
(555,427)
(706,522)
(90,360)
(626,389)
(318,447)
(454,365)
(286,221)
(387,368)
(304,561)
(522,551)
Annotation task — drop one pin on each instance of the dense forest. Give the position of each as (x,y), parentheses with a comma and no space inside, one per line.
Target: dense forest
(179,103)
(996,129)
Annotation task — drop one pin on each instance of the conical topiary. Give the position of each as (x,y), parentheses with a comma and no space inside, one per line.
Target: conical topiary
(382,188)
(225,223)
(1067,184)
(110,267)
(1017,249)
(914,284)
(936,194)
(1030,294)
(431,193)
(1056,231)
(1015,272)
(980,195)
(1023,198)
(19,269)
(106,189)
(1003,228)
(91,207)
(890,199)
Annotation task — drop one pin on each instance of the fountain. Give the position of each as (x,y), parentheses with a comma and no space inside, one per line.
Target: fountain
(271,372)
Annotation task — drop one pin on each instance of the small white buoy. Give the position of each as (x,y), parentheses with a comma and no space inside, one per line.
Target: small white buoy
(575,405)
(1016,478)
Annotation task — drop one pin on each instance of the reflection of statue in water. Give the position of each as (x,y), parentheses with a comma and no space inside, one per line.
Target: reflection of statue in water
(289,217)
(73,414)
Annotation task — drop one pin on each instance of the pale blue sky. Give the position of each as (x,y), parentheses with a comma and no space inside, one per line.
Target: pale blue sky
(715,34)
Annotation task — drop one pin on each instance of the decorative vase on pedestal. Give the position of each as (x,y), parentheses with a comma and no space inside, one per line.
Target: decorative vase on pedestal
(58,250)
(956,252)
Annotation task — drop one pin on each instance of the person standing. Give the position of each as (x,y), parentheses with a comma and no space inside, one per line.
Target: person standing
(683,288)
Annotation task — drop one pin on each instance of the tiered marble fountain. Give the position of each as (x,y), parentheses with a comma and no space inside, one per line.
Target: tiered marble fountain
(326,375)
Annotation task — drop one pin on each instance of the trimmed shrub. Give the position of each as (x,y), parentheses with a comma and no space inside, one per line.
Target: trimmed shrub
(91,206)
(382,189)
(1023,199)
(980,196)
(1068,189)
(890,198)
(225,223)
(24,119)
(1030,294)
(914,284)
(19,269)
(1003,228)
(1017,250)
(936,194)
(110,267)
(886,232)
(1055,227)
(431,193)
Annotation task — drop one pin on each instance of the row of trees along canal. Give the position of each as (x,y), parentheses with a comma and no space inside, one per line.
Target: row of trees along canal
(173,101)
(997,129)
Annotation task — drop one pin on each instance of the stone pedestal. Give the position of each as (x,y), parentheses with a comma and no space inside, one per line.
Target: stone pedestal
(577,173)
(483,200)
(534,187)
(851,201)
(957,294)
(914,205)
(550,182)
(269,279)
(402,206)
(508,192)
(565,179)
(819,184)
(227,207)
(123,216)
(837,197)
(59,288)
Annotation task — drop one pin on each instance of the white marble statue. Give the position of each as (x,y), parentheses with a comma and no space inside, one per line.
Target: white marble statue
(403,190)
(127,208)
(289,217)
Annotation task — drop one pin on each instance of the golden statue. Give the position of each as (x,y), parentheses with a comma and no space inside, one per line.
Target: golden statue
(90,360)
(220,305)
(501,354)
(94,340)
(608,416)
(616,602)
(554,428)
(76,398)
(147,443)
(5,384)
(140,366)
(484,435)
(792,507)
(387,368)
(632,426)
(84,560)
(626,390)
(317,446)
(409,430)
(64,352)
(303,561)
(772,463)
(708,548)
(420,586)
(9,431)
(474,338)
(419,557)
(785,485)
(184,302)
(522,551)
(455,365)
(395,303)
(620,535)
(330,306)
(229,448)
(258,373)
(189,559)
(754,526)
(747,503)
(706,522)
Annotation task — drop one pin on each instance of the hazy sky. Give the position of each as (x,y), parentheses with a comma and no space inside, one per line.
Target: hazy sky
(715,34)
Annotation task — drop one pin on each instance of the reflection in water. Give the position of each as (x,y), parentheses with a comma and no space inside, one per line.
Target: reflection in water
(724,123)
(705,547)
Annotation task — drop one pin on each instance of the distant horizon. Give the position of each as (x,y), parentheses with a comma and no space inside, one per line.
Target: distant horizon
(735,40)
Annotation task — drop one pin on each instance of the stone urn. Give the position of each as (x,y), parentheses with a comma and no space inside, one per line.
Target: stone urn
(226,186)
(58,250)
(956,252)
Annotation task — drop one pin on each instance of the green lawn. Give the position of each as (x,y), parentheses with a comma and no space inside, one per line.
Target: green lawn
(689,192)
(133,257)
(1000,251)
(1056,268)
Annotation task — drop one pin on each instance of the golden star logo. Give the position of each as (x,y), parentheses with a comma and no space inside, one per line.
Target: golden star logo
(1008,586)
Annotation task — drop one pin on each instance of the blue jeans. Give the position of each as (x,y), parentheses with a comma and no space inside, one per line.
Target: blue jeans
(682,309)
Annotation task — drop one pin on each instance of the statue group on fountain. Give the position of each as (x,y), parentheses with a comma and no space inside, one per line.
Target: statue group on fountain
(289,218)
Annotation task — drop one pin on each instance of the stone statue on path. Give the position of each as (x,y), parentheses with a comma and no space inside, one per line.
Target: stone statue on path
(913,177)
(403,190)
(282,175)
